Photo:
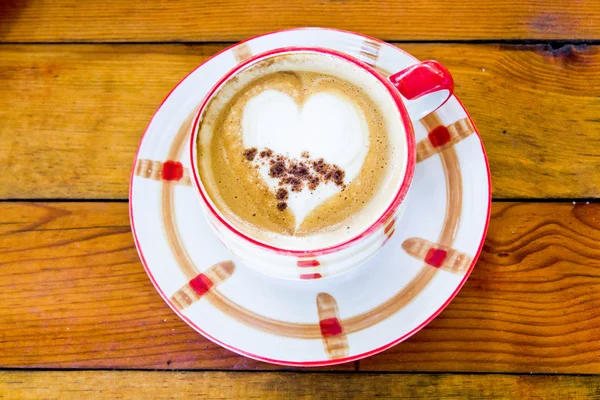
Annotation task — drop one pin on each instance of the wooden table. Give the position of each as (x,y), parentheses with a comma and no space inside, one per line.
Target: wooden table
(79,81)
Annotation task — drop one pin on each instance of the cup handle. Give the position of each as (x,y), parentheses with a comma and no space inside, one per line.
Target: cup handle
(425,86)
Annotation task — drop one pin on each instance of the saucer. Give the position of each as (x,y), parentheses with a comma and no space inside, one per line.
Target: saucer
(427,256)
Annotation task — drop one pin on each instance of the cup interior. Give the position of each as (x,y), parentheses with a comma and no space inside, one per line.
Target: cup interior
(380,90)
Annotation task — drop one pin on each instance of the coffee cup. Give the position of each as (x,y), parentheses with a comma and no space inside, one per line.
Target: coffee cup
(302,157)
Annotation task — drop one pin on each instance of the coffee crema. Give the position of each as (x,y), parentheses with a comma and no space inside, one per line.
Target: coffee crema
(284,151)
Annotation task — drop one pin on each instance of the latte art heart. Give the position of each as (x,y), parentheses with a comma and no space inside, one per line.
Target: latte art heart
(327,126)
(329,169)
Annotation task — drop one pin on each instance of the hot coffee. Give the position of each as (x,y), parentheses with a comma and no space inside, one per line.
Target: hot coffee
(301,150)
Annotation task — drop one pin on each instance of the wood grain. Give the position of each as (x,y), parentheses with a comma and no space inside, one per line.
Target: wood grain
(74,295)
(24,385)
(229,20)
(87,105)
(530,305)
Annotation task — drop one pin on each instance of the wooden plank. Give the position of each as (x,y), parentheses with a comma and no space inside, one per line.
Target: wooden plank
(530,305)
(74,295)
(281,385)
(87,106)
(229,20)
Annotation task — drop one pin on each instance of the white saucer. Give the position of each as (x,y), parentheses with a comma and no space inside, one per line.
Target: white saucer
(430,253)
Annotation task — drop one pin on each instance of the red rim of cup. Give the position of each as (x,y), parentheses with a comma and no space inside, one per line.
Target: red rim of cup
(398,197)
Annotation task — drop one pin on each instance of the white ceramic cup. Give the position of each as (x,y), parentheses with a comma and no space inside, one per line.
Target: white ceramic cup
(414,92)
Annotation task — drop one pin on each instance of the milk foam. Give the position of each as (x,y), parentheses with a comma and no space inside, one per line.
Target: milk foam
(327,126)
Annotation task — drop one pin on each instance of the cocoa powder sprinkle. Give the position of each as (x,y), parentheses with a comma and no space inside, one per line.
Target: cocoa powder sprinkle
(313,182)
(299,169)
(319,166)
(282,194)
(295,174)
(338,176)
(250,153)
(277,169)
(266,153)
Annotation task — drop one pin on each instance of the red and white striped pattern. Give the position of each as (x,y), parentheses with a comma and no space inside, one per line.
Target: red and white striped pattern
(309,268)
(437,255)
(334,339)
(168,171)
(442,137)
(202,284)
